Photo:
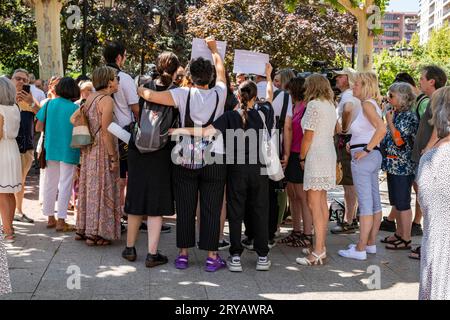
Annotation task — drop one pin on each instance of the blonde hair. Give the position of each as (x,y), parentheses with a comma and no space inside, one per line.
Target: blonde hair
(369,84)
(102,76)
(318,88)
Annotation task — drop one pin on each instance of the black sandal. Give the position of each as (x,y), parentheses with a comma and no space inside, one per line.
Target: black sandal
(80,236)
(292,237)
(399,244)
(415,253)
(304,241)
(386,240)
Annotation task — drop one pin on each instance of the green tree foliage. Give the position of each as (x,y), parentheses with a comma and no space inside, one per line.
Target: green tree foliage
(130,22)
(125,22)
(435,51)
(292,39)
(18,45)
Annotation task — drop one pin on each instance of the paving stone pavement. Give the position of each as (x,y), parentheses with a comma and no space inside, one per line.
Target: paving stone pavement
(41,264)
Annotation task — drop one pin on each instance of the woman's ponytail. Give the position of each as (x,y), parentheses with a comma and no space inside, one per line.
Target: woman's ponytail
(247,92)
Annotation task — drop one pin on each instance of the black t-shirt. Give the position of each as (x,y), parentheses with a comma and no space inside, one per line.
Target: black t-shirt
(242,143)
(26,132)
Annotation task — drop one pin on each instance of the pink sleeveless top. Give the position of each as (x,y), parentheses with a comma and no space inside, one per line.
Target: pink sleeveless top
(297,131)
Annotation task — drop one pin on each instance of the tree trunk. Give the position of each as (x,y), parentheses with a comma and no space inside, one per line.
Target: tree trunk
(47,14)
(365,45)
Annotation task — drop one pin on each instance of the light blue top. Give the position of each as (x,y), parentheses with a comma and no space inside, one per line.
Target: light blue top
(58,130)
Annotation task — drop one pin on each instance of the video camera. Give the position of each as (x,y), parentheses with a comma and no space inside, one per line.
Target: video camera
(328,73)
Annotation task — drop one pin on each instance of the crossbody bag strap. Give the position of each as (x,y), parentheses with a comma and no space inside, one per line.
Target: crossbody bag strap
(45,116)
(187,117)
(90,105)
(211,119)
(284,111)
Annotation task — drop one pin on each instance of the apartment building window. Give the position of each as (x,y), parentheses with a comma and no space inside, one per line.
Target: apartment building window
(391,17)
(390,26)
(391,34)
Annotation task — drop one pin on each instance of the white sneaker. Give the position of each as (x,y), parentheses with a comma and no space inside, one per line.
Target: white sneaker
(234,263)
(263,264)
(369,249)
(353,254)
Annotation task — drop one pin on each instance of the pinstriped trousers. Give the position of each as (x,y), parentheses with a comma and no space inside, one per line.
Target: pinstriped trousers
(209,181)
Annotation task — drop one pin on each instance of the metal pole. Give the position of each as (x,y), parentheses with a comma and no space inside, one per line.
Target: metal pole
(355,35)
(142,51)
(353,55)
(85,15)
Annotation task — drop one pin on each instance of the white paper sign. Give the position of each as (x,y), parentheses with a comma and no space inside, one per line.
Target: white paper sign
(200,49)
(250,62)
(120,133)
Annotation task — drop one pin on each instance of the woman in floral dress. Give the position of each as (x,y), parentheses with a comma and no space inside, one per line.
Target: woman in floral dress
(98,220)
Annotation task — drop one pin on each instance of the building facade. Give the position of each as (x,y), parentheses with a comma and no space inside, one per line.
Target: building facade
(433,15)
(397,26)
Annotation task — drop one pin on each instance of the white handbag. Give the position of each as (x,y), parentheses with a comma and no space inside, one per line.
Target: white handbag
(269,151)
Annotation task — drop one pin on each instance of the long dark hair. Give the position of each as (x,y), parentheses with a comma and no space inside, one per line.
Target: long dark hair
(247,91)
(167,65)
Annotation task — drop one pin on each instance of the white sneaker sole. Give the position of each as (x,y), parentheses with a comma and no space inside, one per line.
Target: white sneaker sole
(369,251)
(234,268)
(351,257)
(263,267)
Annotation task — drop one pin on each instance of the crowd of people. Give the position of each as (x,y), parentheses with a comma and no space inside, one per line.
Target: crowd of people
(324,140)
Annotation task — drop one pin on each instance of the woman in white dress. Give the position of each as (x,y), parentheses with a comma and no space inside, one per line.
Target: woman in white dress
(10,171)
(318,159)
(433,180)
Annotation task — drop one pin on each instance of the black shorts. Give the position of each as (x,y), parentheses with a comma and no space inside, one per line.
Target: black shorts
(399,188)
(294,172)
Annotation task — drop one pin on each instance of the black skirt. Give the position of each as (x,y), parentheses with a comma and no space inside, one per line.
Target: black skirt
(294,172)
(149,188)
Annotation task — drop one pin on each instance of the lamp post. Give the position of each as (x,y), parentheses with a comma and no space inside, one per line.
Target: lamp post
(155,17)
(106,4)
(355,36)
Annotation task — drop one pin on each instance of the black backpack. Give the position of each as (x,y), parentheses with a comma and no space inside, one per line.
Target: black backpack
(151,132)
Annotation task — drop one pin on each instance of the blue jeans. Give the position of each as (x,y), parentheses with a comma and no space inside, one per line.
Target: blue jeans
(365,179)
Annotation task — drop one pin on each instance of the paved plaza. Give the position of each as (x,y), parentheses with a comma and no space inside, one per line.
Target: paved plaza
(41,263)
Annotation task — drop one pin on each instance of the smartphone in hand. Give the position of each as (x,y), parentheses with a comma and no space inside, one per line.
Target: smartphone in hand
(22,104)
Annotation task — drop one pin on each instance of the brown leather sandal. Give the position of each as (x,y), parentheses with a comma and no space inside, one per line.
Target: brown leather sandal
(305,241)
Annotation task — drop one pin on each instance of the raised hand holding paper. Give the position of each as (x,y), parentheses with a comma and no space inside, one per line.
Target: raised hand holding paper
(250,62)
(200,49)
